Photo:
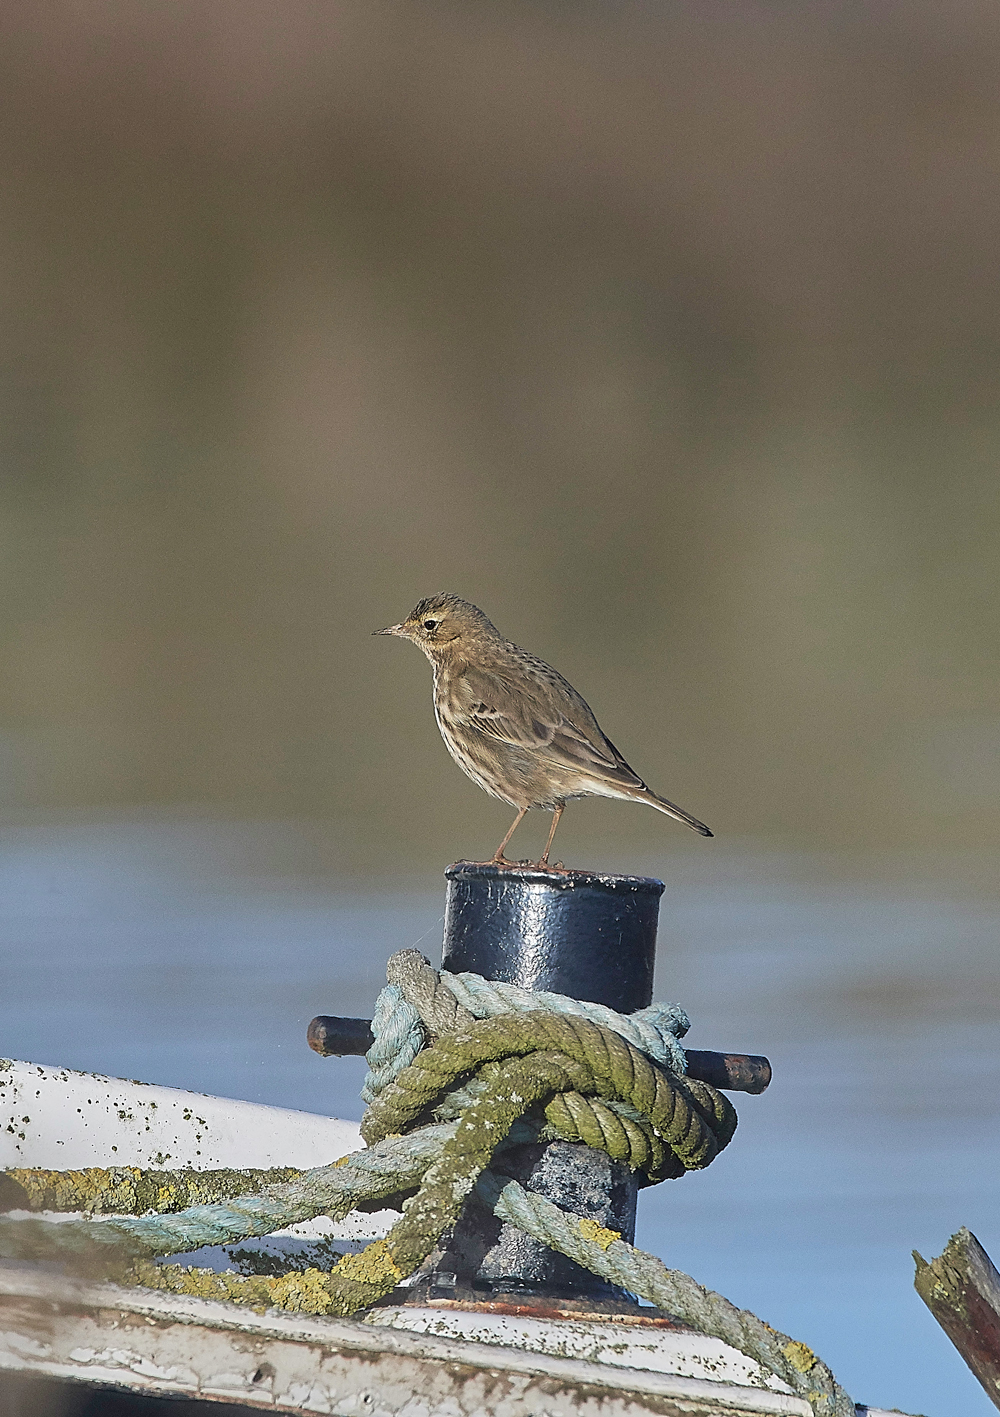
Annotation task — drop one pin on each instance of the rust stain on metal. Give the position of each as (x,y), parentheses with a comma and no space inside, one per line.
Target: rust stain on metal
(512,1309)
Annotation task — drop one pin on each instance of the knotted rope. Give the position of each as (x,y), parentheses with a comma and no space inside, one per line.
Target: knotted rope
(466,1069)
(418,1001)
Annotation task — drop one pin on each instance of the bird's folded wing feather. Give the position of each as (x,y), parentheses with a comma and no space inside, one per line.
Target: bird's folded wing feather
(549,719)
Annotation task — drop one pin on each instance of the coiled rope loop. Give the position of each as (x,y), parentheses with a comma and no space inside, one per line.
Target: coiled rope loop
(418,1003)
(583,1058)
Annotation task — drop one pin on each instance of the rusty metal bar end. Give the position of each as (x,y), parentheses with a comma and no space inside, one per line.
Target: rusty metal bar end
(733,1072)
(340,1037)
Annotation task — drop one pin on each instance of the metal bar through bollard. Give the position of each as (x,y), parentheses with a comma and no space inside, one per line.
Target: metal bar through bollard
(334,1037)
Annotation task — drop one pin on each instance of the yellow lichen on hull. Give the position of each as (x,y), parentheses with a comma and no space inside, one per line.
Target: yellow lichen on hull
(356,1281)
(93,1188)
(305,1292)
(253,1290)
(129,1190)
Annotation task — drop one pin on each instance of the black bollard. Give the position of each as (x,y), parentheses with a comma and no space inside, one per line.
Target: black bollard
(592,937)
(589,936)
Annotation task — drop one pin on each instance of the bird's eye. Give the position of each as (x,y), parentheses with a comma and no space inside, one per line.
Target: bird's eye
(430,624)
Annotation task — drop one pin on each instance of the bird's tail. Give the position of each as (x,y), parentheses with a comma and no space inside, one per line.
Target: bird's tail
(679,815)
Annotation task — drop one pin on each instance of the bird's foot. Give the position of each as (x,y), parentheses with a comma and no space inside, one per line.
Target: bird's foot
(523,862)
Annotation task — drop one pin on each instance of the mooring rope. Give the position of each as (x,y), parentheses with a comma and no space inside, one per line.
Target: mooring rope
(464,1069)
(376,1174)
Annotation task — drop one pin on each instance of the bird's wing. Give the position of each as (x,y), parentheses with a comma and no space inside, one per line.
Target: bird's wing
(541,713)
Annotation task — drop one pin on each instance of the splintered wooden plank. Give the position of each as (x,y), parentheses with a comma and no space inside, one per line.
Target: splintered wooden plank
(962,1290)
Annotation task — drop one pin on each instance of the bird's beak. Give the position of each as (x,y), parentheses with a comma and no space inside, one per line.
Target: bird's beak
(389,630)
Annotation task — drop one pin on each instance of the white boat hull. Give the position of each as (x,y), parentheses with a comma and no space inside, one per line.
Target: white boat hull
(63,1120)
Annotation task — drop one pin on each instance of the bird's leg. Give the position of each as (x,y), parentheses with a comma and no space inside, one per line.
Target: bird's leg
(557,813)
(498,856)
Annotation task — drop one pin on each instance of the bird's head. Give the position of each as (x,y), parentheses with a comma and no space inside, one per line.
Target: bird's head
(440,624)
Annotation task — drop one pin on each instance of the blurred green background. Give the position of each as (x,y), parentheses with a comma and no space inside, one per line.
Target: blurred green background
(668,334)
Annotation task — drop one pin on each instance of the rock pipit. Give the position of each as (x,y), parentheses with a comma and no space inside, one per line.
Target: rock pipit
(514,724)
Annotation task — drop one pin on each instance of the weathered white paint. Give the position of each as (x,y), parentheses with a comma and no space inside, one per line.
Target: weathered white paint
(620,1342)
(55,1117)
(167,1344)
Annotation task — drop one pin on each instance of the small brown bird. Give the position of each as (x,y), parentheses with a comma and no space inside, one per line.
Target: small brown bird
(514,724)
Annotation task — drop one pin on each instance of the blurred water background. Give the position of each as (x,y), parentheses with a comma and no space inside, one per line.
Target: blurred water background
(669,334)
